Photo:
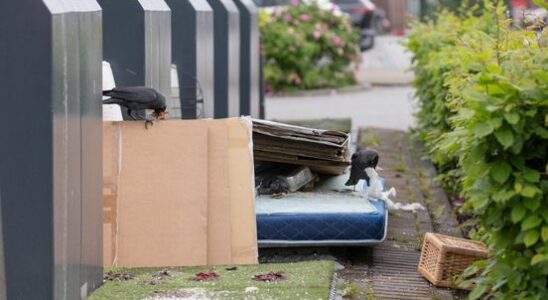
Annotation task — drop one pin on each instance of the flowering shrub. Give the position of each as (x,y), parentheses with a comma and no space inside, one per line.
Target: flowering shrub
(483,92)
(307,47)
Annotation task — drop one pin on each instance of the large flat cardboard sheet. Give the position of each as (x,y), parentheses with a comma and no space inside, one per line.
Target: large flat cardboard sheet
(161,201)
(179,194)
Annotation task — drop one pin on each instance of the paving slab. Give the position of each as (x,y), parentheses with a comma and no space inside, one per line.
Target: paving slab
(389,270)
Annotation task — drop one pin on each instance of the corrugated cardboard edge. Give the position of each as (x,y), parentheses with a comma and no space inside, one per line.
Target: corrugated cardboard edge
(112,149)
(242,191)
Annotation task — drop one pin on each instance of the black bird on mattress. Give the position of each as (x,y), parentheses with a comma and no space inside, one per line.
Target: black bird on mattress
(361,160)
(138,98)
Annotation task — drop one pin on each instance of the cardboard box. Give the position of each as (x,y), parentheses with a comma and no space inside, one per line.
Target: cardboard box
(180,193)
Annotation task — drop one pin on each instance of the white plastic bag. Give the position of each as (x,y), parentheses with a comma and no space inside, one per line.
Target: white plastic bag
(375,191)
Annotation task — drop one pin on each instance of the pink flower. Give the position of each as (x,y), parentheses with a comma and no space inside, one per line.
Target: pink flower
(288,17)
(277,13)
(318,26)
(316,34)
(297,80)
(294,2)
(290,31)
(304,17)
(336,40)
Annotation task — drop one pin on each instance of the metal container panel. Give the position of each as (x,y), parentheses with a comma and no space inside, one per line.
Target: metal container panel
(204,58)
(192,57)
(226,58)
(26,158)
(49,70)
(262,113)
(249,58)
(91,261)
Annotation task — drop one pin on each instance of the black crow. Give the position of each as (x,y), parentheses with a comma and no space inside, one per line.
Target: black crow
(361,160)
(271,185)
(138,98)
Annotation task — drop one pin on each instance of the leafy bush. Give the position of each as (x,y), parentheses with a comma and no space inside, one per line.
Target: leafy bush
(482,88)
(307,47)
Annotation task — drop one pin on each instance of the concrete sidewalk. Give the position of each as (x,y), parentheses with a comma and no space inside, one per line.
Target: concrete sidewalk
(387,63)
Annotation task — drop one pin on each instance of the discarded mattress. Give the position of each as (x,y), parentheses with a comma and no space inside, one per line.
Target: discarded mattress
(332,215)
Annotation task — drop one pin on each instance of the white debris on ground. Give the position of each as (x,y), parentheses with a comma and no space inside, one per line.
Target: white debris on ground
(186,294)
(375,191)
(251,289)
(338,266)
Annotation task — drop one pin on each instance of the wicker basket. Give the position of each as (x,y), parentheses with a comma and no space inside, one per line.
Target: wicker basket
(444,257)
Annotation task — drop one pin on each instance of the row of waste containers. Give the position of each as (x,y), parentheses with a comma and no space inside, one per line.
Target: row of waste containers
(203,54)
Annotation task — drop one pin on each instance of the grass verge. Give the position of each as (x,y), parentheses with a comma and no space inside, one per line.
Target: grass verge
(303,280)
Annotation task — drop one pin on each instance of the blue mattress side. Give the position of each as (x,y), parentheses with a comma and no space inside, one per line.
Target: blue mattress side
(323,226)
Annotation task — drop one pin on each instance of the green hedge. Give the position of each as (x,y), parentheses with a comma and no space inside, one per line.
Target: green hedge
(482,89)
(307,47)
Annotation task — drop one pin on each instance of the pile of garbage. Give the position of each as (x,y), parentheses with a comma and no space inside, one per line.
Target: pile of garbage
(291,158)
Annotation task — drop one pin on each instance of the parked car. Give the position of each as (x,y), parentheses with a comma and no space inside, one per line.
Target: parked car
(367,17)
(270,5)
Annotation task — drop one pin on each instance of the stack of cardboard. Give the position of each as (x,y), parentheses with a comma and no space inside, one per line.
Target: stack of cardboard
(180,193)
(324,151)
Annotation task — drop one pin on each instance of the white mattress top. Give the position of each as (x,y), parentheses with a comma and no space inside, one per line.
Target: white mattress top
(313,203)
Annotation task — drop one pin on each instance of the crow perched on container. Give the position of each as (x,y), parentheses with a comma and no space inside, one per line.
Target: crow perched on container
(361,160)
(138,98)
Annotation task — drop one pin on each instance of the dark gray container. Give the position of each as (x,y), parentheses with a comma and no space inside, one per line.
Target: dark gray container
(226,58)
(192,57)
(249,58)
(51,153)
(137,44)
(261,84)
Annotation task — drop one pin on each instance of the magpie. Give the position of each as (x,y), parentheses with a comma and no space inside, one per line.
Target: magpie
(138,98)
(361,160)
